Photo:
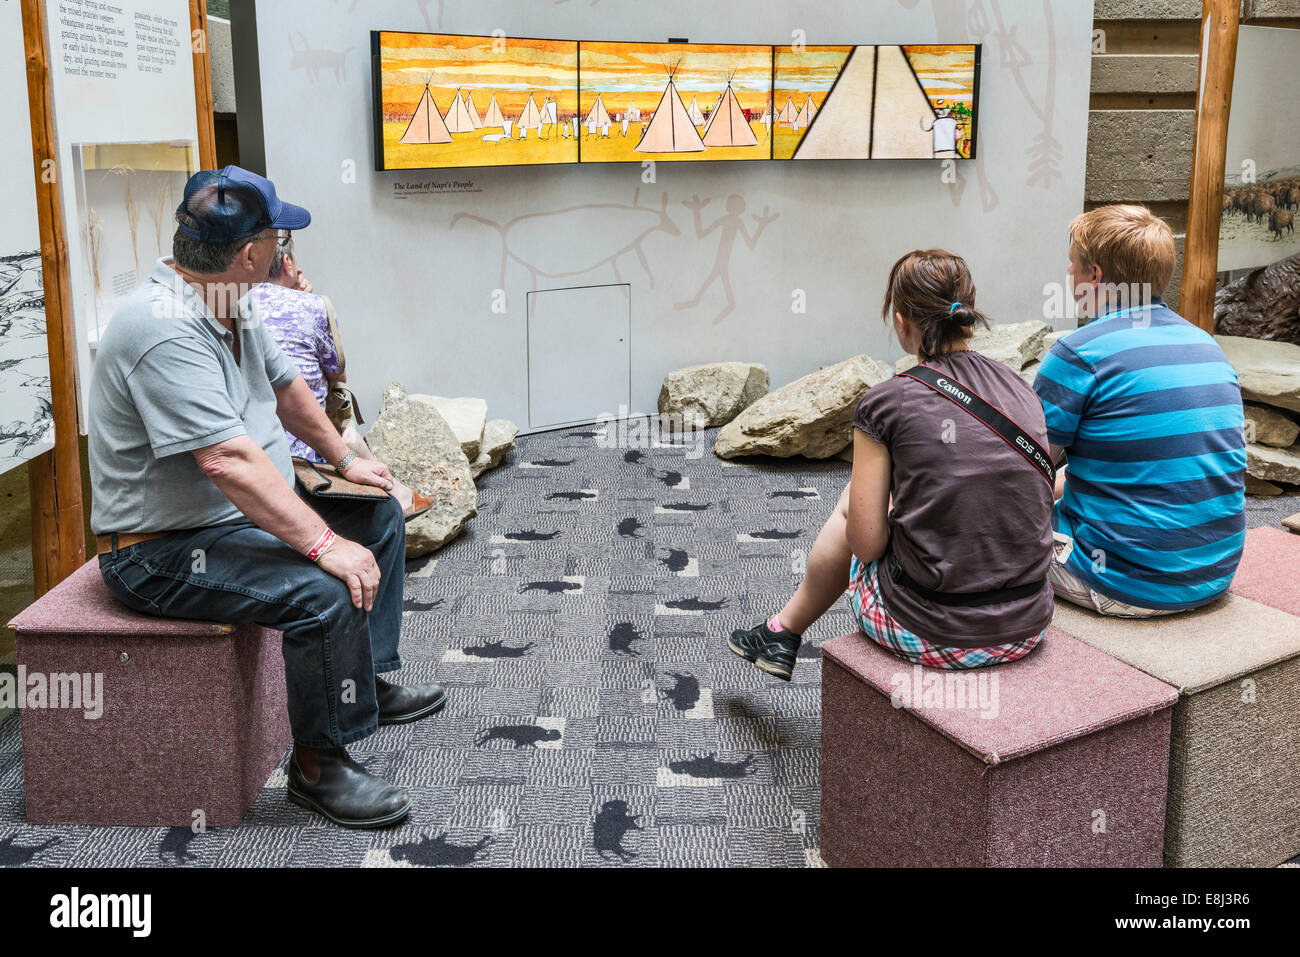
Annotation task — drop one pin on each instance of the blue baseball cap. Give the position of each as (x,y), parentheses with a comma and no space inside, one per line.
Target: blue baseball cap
(231,204)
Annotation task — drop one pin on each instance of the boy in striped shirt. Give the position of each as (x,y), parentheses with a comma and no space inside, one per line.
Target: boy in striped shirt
(1151,512)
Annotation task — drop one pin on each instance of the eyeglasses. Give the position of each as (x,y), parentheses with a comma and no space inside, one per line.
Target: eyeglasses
(284,242)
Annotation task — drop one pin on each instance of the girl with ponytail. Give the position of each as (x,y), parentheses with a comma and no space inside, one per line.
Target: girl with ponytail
(943,537)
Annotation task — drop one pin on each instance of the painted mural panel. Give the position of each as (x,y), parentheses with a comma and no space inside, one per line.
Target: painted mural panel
(457,101)
(674,101)
(876,102)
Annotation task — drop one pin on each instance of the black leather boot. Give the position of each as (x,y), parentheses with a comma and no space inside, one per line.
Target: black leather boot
(347,793)
(399,705)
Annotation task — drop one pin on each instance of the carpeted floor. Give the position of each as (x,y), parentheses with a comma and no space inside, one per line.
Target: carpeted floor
(595,714)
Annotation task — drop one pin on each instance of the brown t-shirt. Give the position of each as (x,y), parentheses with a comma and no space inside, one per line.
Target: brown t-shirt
(970,513)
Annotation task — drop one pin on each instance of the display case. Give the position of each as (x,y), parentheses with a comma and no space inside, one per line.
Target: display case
(127,194)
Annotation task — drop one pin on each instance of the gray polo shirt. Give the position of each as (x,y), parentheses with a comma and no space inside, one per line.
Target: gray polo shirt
(166,383)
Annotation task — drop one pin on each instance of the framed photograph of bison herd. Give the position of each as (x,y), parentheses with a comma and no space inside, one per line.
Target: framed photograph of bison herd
(1261,187)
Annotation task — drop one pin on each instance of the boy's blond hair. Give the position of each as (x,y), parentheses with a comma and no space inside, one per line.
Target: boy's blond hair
(1131,245)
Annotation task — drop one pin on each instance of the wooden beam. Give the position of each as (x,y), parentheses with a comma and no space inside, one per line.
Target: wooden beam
(58,522)
(203,84)
(1219,24)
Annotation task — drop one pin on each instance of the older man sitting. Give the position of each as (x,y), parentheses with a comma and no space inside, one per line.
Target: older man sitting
(195,507)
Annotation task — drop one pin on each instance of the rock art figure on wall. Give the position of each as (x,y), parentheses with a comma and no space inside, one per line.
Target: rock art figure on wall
(732,225)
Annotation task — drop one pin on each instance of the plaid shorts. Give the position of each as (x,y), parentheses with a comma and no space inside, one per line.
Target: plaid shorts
(880,626)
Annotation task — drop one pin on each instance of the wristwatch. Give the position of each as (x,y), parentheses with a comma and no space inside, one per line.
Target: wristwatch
(346,461)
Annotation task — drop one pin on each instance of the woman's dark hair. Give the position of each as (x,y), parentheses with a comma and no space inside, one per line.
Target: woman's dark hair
(933,290)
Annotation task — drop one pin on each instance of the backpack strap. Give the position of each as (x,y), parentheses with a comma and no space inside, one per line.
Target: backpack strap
(334,333)
(1004,427)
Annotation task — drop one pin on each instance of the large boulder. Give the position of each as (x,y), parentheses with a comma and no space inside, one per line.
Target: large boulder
(467,418)
(420,448)
(1016,345)
(1274,465)
(713,394)
(1271,427)
(1269,372)
(812,416)
(498,439)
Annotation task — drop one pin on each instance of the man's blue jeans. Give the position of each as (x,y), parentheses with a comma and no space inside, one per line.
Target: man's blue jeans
(240,574)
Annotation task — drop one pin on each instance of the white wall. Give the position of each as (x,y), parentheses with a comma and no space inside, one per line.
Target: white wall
(415,295)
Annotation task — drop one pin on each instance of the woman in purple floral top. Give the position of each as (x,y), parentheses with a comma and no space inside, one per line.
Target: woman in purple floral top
(298,321)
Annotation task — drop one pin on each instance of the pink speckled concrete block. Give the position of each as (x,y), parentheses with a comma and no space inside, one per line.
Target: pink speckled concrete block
(1269,572)
(1069,769)
(194,715)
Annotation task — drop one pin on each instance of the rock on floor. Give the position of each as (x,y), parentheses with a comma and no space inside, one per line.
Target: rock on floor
(467,418)
(713,394)
(812,416)
(498,440)
(420,448)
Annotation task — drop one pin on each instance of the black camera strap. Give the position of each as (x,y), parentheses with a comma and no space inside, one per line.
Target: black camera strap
(1007,430)
(1014,436)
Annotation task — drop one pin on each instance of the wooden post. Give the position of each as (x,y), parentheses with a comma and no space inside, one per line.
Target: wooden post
(58,522)
(203,84)
(1219,22)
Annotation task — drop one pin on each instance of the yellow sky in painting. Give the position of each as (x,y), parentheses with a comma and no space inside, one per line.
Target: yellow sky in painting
(946,72)
(547,67)
(642,67)
(812,69)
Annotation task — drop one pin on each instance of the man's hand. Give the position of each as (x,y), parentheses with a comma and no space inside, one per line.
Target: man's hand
(369,472)
(355,566)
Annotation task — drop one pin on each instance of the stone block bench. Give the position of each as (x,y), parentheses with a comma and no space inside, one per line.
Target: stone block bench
(1234,777)
(1269,572)
(194,715)
(1065,762)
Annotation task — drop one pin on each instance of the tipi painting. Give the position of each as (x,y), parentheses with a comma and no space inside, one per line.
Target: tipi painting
(681,101)
(876,102)
(729,125)
(464,101)
(672,127)
(431,87)
(427,125)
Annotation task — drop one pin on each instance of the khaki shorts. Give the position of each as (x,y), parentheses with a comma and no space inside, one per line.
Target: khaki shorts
(1073,590)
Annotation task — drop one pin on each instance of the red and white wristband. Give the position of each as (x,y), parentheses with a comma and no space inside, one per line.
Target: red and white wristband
(322,545)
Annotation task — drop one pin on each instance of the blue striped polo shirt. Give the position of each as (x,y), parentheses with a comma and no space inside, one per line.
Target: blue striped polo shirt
(1149,411)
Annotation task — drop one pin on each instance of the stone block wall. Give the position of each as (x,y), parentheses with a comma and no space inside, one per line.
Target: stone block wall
(1143,110)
